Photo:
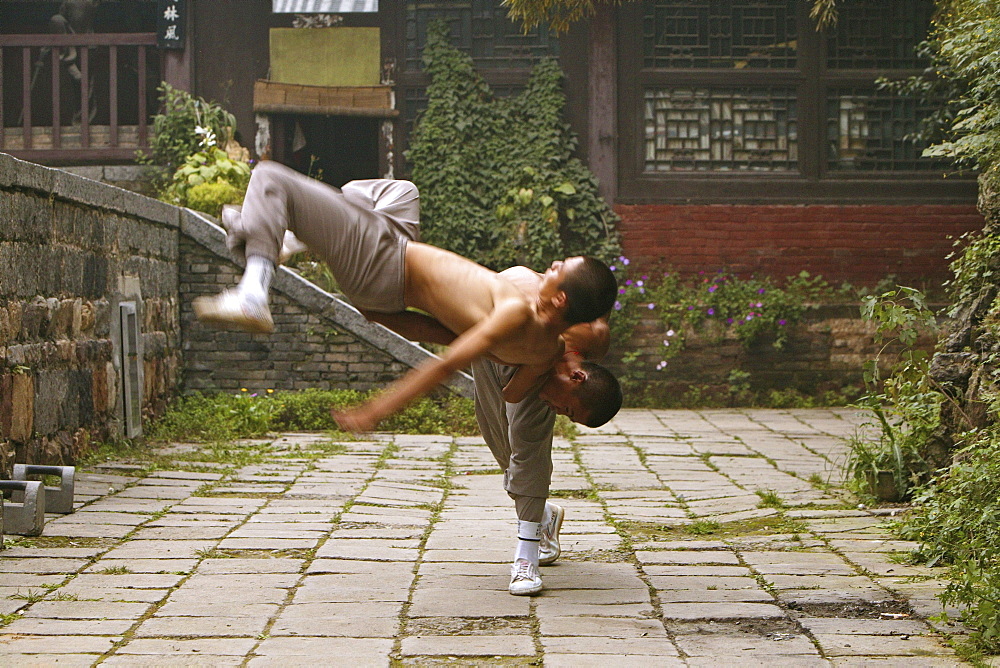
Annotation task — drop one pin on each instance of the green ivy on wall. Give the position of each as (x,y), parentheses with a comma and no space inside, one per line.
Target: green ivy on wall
(497,177)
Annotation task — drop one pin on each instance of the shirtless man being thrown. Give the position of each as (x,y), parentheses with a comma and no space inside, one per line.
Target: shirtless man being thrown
(363,234)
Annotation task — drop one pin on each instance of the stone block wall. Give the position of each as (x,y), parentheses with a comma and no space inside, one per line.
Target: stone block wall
(825,351)
(306,349)
(72,250)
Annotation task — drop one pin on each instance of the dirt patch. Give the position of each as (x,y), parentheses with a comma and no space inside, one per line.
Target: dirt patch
(468,626)
(890,609)
(773,629)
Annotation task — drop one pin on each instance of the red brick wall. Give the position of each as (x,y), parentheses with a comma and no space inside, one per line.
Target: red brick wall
(860,244)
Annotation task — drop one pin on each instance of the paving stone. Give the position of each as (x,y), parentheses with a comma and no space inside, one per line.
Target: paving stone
(199,647)
(583,645)
(602,626)
(32,660)
(468,646)
(13,643)
(871,627)
(601,661)
(160,549)
(723,611)
(238,566)
(468,603)
(207,660)
(68,627)
(879,645)
(143,565)
(358,651)
(86,610)
(686,557)
(201,626)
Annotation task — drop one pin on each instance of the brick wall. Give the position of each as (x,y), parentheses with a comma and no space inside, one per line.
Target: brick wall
(71,251)
(305,350)
(861,244)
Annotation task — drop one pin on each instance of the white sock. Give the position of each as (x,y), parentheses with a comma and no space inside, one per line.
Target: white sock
(256,279)
(528,535)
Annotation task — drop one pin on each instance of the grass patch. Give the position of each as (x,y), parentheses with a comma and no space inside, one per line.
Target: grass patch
(224,417)
(758,526)
(769,499)
(116,570)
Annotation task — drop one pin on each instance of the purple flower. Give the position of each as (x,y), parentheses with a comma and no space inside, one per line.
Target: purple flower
(729,321)
(651,306)
(645,278)
(759,304)
(625,261)
(642,291)
(711,311)
(750,317)
(618,306)
(713,288)
(613,268)
(628,282)
(782,322)
(639,283)
(621,291)
(761,291)
(690,308)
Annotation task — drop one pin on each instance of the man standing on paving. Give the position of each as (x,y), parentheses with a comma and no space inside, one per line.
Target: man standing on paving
(520,438)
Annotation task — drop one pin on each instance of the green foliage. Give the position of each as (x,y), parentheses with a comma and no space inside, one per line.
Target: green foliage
(716,305)
(223,417)
(975,267)
(904,403)
(498,181)
(957,521)
(209,179)
(210,197)
(967,41)
(174,137)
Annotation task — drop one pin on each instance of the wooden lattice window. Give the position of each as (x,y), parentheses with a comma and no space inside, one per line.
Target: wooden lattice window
(719,33)
(750,91)
(745,129)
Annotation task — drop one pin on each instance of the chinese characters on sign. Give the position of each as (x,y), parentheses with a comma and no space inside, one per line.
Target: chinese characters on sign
(170,19)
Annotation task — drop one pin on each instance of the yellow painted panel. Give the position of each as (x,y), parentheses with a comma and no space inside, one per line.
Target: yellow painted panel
(326,56)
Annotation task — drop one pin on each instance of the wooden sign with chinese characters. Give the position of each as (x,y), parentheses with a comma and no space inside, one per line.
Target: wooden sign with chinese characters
(170,19)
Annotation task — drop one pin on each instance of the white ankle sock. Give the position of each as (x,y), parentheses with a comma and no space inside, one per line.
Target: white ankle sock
(256,279)
(528,535)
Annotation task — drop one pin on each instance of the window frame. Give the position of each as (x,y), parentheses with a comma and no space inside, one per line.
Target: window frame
(812,182)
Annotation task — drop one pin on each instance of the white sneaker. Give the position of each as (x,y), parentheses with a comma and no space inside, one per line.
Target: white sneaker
(235,310)
(524,578)
(548,547)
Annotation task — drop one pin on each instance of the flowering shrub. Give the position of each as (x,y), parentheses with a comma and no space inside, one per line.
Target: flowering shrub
(719,304)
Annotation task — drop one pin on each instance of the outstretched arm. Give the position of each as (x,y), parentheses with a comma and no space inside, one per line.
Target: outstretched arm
(474,343)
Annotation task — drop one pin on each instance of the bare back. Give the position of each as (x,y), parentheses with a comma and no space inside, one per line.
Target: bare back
(461,294)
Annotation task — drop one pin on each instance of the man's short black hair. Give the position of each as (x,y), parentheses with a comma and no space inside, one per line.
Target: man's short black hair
(590,291)
(600,395)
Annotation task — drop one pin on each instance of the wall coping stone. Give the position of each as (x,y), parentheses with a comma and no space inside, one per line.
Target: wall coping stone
(201,229)
(52,182)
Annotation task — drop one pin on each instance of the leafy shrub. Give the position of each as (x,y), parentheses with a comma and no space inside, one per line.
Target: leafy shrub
(905,404)
(210,197)
(498,181)
(957,521)
(218,178)
(174,137)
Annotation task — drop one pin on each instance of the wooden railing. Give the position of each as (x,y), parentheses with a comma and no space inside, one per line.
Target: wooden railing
(83,97)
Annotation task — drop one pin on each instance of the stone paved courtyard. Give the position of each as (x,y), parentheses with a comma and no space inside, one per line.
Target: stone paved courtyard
(692,538)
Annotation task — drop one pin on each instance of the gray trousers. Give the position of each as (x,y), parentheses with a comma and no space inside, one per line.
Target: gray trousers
(519,436)
(360,231)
